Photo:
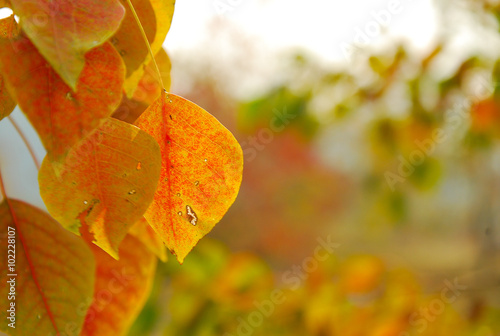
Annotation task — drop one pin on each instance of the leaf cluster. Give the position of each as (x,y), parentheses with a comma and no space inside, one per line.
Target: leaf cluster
(130,169)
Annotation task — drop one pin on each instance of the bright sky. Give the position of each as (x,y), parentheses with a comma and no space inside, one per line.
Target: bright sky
(321,26)
(318,25)
(245,42)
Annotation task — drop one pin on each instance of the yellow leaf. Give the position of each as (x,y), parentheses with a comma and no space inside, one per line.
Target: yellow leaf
(156,17)
(63,31)
(146,235)
(109,178)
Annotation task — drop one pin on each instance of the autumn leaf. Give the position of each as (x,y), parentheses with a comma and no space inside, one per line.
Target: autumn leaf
(63,31)
(61,117)
(201,171)
(6,103)
(164,12)
(8,29)
(129,110)
(129,41)
(109,177)
(145,234)
(54,273)
(149,89)
(155,17)
(121,288)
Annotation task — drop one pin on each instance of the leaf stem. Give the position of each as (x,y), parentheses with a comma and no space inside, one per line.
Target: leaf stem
(144,36)
(26,142)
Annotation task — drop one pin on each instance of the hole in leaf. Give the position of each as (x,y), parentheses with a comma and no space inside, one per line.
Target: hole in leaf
(193,219)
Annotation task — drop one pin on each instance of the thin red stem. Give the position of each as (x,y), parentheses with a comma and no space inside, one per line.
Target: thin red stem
(26,142)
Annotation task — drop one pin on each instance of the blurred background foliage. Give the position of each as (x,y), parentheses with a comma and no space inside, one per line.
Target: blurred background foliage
(394,155)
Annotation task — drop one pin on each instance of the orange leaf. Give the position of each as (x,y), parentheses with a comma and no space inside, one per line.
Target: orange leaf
(147,91)
(6,103)
(149,88)
(110,177)
(129,41)
(121,288)
(155,17)
(61,117)
(129,110)
(145,233)
(8,29)
(63,31)
(201,171)
(55,273)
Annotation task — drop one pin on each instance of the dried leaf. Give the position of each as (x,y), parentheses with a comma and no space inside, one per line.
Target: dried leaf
(54,273)
(201,171)
(63,31)
(110,178)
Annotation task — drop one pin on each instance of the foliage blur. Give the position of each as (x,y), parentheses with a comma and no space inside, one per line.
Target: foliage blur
(395,157)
